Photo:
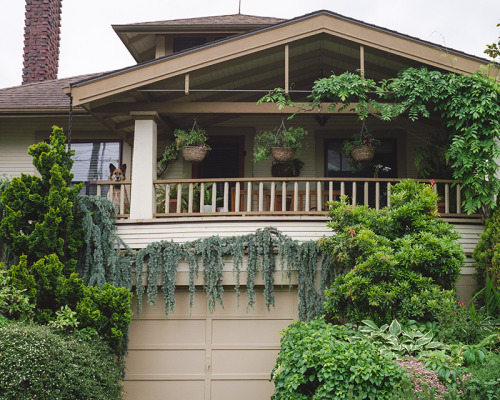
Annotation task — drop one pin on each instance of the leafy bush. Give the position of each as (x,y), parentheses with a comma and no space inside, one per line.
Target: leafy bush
(38,215)
(319,361)
(485,381)
(402,262)
(487,251)
(14,303)
(36,363)
(105,309)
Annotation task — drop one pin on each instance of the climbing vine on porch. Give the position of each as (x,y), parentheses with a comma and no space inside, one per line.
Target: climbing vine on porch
(266,248)
(469,106)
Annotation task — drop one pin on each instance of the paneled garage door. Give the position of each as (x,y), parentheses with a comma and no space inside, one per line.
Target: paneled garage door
(196,355)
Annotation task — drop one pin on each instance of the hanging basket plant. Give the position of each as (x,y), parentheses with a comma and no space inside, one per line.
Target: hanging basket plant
(362,147)
(192,144)
(282,143)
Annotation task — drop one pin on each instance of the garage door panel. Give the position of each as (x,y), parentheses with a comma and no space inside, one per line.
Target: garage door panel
(151,333)
(249,331)
(165,362)
(243,361)
(241,389)
(181,306)
(286,304)
(165,390)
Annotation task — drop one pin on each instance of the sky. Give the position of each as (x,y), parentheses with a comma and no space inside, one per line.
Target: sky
(89,44)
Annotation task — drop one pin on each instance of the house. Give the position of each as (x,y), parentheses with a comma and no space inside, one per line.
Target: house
(214,70)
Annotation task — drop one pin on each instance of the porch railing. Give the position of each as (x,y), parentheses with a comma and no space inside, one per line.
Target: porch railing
(118,193)
(283,196)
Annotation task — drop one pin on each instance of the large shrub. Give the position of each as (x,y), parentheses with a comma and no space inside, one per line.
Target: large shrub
(321,361)
(104,309)
(401,262)
(487,251)
(38,216)
(36,363)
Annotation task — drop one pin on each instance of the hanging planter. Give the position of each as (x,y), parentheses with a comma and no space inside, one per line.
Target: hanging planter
(281,143)
(362,147)
(191,144)
(194,154)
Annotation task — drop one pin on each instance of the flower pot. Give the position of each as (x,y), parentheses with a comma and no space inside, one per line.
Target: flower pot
(363,153)
(281,154)
(194,154)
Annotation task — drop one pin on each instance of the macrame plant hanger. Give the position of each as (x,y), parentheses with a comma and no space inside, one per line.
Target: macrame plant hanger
(195,126)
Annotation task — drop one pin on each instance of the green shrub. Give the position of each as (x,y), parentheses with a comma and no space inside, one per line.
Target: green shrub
(36,363)
(319,360)
(401,262)
(38,212)
(105,309)
(484,383)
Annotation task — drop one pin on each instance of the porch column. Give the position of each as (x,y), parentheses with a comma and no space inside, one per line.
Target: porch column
(142,202)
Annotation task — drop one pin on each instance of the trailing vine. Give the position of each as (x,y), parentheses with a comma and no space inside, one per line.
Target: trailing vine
(101,259)
(159,261)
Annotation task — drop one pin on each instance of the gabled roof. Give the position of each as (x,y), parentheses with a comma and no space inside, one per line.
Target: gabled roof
(274,37)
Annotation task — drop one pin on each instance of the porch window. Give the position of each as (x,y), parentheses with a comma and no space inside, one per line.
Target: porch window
(91,163)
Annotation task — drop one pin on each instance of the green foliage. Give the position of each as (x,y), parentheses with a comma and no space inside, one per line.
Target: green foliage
(101,258)
(105,309)
(487,251)
(39,216)
(289,138)
(485,380)
(14,302)
(36,363)
(4,183)
(159,262)
(65,318)
(318,360)
(493,50)
(401,262)
(395,341)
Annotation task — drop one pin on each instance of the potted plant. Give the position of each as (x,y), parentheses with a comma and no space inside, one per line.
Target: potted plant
(362,147)
(207,198)
(281,143)
(191,144)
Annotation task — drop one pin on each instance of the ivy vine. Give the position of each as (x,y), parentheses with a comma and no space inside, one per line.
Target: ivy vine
(159,261)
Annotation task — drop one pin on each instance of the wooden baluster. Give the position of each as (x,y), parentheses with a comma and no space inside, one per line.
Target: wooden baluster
(122,199)
(202,197)
(354,188)
(98,190)
(167,198)
(249,196)
(447,198)
(226,196)
(459,200)
(342,188)
(273,197)
(261,196)
(377,195)
(366,194)
(179,198)
(330,191)
(308,196)
(283,196)
(237,199)
(190,198)
(296,196)
(214,197)
(388,194)
(319,197)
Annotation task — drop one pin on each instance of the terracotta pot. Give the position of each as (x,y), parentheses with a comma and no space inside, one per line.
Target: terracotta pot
(194,154)
(363,153)
(281,154)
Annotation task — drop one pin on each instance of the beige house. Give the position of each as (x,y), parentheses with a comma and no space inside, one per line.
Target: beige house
(214,70)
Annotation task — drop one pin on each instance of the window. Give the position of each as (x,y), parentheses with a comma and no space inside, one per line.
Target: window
(91,162)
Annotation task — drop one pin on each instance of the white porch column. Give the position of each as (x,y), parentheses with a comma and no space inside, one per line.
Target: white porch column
(142,202)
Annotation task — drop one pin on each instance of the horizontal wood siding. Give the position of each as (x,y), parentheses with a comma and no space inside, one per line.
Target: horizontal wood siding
(14,142)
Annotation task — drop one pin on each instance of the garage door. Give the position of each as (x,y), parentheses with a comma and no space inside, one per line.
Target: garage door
(201,356)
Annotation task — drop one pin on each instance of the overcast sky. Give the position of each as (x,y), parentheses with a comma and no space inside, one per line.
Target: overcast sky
(89,44)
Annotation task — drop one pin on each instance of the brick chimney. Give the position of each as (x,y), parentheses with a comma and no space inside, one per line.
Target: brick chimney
(41,40)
